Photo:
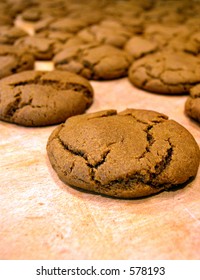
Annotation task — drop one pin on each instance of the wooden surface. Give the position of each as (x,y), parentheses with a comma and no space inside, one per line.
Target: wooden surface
(42,218)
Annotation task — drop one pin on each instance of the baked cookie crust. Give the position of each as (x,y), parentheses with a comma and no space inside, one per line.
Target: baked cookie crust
(130,154)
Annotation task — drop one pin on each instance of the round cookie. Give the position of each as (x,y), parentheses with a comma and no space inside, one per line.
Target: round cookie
(32,14)
(14,60)
(60,36)
(166,72)
(40,48)
(167,12)
(130,154)
(109,32)
(138,47)
(193,44)
(43,24)
(68,24)
(37,98)
(162,34)
(94,62)
(6,17)
(9,34)
(192,105)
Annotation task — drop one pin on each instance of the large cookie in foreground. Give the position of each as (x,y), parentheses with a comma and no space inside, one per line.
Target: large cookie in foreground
(130,154)
(192,104)
(37,98)
(166,72)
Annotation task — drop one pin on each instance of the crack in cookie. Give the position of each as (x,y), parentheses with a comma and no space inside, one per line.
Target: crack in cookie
(166,72)
(129,154)
(38,98)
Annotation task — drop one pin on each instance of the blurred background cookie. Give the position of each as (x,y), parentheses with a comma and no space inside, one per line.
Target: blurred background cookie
(192,105)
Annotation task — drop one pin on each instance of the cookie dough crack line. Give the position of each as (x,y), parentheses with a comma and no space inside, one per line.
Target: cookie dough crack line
(150,141)
(18,105)
(57,85)
(159,77)
(147,130)
(161,166)
(93,168)
(14,106)
(150,178)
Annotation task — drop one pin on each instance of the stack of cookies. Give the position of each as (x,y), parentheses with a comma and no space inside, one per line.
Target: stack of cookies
(155,44)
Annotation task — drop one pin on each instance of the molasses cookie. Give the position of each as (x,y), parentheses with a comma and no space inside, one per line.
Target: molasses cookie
(166,72)
(192,105)
(9,34)
(138,47)
(109,32)
(94,62)
(40,48)
(162,34)
(130,154)
(14,60)
(68,24)
(32,14)
(193,44)
(36,98)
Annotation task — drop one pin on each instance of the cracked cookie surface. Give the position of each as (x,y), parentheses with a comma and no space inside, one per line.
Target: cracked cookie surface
(129,154)
(106,32)
(38,98)
(94,62)
(9,34)
(166,72)
(14,61)
(40,48)
(192,105)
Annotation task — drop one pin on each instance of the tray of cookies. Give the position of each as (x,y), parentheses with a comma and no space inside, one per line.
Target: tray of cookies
(99,121)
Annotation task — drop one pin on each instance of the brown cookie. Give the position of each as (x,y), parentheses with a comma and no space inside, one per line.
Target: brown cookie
(40,48)
(14,60)
(193,44)
(102,62)
(43,24)
(167,12)
(88,14)
(107,32)
(68,24)
(60,36)
(32,14)
(138,46)
(192,105)
(130,154)
(119,9)
(36,98)
(166,72)
(9,34)
(162,34)
(193,22)
(6,15)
